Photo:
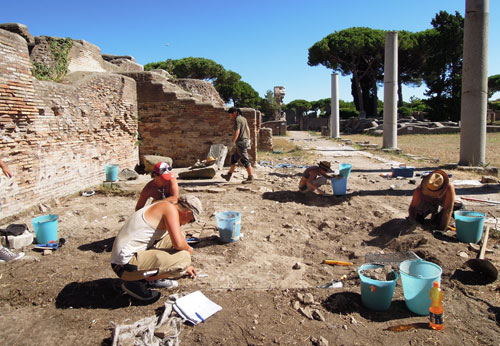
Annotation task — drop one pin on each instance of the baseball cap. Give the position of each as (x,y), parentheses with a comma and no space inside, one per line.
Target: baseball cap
(193,203)
(164,170)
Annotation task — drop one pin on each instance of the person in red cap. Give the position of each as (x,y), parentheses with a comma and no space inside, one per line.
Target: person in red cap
(163,186)
(435,196)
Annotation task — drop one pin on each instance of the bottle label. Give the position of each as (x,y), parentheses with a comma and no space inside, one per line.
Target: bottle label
(436,318)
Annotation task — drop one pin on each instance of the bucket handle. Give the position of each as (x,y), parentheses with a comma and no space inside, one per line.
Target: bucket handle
(233,235)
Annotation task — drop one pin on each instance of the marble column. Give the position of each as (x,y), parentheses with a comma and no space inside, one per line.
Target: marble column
(334,105)
(474,84)
(390,137)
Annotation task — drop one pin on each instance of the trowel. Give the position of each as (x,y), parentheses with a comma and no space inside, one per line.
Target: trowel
(480,265)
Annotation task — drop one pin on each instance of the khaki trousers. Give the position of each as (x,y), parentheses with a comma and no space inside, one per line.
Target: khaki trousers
(162,257)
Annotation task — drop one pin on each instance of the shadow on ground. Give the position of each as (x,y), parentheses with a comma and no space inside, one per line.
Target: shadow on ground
(310,199)
(96,294)
(390,230)
(346,303)
(99,246)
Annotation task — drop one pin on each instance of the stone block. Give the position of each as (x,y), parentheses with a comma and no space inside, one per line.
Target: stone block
(151,160)
(199,173)
(20,241)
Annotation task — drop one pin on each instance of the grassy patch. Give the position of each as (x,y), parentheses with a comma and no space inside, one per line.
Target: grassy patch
(283,148)
(442,149)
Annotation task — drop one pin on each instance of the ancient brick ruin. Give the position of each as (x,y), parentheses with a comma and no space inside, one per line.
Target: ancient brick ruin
(56,138)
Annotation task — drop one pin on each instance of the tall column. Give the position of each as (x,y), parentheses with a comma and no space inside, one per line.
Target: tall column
(474,84)
(390,139)
(334,105)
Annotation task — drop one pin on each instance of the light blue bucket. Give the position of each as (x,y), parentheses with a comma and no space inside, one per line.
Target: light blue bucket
(417,277)
(469,225)
(345,169)
(111,172)
(339,186)
(45,228)
(376,294)
(229,224)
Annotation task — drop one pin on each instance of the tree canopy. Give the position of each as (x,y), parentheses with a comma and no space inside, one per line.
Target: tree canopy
(227,83)
(442,65)
(196,68)
(358,51)
(493,84)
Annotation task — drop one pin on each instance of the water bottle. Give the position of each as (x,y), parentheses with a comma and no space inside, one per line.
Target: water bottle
(436,311)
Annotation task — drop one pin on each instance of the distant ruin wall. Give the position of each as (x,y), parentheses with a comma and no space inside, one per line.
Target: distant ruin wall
(57,138)
(175,125)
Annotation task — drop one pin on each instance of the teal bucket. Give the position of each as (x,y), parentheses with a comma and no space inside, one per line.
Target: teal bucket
(229,224)
(375,294)
(45,228)
(339,186)
(111,172)
(417,277)
(469,225)
(345,170)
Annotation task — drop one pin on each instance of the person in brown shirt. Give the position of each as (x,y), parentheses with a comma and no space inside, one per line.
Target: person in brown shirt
(436,196)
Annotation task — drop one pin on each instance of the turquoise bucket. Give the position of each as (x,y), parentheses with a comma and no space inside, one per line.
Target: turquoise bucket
(417,277)
(345,169)
(339,186)
(45,228)
(229,224)
(111,172)
(375,294)
(469,225)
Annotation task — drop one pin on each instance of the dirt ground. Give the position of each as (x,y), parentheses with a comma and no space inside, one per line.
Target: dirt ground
(71,296)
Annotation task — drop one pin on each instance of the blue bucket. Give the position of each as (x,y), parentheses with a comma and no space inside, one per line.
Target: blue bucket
(417,277)
(45,228)
(339,186)
(375,294)
(111,172)
(229,224)
(345,169)
(469,225)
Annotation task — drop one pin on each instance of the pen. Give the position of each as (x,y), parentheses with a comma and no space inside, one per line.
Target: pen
(199,316)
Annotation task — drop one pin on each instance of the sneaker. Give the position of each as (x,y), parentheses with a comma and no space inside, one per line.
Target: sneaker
(138,290)
(226,176)
(6,255)
(249,180)
(163,283)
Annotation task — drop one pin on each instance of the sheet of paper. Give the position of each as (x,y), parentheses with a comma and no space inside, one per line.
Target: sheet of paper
(196,307)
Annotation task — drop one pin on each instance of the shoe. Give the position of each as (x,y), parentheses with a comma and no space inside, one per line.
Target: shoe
(163,283)
(138,290)
(226,176)
(6,255)
(249,180)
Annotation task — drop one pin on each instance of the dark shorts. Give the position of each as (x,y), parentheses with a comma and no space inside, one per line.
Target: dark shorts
(241,153)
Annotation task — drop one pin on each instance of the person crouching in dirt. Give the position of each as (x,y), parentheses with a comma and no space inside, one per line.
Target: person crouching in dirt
(163,186)
(151,248)
(314,177)
(436,196)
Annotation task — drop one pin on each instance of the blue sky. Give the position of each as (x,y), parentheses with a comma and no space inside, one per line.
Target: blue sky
(265,41)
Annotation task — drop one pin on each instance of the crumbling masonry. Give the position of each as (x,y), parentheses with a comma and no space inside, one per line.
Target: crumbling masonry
(56,138)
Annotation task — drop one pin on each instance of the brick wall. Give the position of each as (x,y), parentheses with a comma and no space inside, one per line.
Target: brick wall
(174,124)
(57,138)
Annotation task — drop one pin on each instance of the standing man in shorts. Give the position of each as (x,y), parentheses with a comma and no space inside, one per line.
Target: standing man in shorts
(241,140)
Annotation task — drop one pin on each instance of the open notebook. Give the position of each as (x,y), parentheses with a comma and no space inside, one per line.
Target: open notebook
(195,307)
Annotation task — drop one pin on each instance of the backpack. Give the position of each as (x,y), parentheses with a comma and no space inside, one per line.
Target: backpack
(13,230)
